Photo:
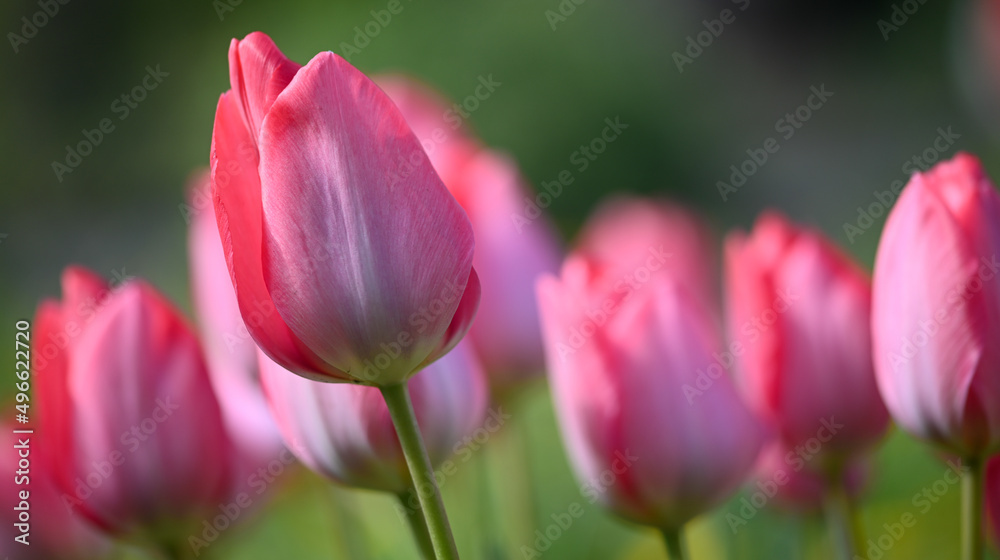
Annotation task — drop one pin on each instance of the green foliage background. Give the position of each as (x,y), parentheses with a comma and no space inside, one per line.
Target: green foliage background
(120,207)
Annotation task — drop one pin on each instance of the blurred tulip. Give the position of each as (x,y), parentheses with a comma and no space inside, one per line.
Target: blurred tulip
(936,308)
(510,257)
(331,214)
(230,352)
(137,439)
(630,233)
(441,131)
(799,316)
(618,362)
(515,243)
(345,432)
(54,531)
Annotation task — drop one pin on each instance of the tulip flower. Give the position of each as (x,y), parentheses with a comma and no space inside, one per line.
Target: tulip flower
(799,316)
(38,525)
(335,227)
(618,361)
(339,233)
(637,235)
(936,317)
(230,352)
(514,244)
(136,436)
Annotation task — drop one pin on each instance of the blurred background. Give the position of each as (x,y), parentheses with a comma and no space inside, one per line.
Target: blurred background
(907,83)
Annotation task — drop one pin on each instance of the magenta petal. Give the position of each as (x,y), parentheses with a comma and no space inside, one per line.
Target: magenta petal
(359,231)
(258,72)
(236,193)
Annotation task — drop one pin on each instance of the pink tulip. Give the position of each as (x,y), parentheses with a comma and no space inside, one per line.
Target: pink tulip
(936,308)
(510,256)
(229,350)
(54,531)
(331,215)
(514,245)
(619,361)
(637,235)
(138,442)
(799,313)
(345,432)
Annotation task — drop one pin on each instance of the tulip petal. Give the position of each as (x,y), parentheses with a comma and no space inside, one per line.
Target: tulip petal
(461,322)
(236,194)
(158,378)
(49,367)
(258,72)
(382,249)
(925,348)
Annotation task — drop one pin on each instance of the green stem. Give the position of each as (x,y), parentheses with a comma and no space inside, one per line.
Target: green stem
(397,399)
(418,524)
(972,510)
(675,548)
(842,519)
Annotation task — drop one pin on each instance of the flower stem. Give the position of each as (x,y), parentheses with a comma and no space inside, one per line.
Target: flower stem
(842,519)
(675,548)
(972,510)
(418,524)
(397,399)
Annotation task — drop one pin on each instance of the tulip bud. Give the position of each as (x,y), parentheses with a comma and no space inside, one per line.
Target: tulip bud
(334,224)
(623,364)
(345,432)
(936,308)
(799,315)
(136,435)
